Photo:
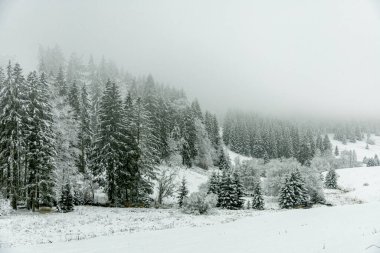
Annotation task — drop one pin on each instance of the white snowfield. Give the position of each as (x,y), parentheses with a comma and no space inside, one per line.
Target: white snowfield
(359,147)
(347,227)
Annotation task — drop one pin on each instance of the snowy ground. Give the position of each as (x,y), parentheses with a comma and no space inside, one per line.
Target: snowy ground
(350,228)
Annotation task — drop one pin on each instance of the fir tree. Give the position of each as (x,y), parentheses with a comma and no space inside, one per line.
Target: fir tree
(257,199)
(74,101)
(226,197)
(60,83)
(116,152)
(336,151)
(214,184)
(327,148)
(85,133)
(237,192)
(293,193)
(66,202)
(183,191)
(331,179)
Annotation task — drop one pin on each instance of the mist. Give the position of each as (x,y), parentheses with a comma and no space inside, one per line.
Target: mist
(297,58)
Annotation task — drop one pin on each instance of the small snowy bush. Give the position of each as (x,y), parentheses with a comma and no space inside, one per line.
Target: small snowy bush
(5,207)
(199,202)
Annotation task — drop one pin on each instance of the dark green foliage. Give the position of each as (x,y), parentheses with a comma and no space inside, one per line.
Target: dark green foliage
(66,202)
(183,191)
(336,153)
(257,198)
(293,193)
(74,101)
(214,184)
(230,191)
(331,179)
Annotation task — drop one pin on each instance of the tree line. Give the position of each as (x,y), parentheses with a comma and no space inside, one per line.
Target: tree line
(84,128)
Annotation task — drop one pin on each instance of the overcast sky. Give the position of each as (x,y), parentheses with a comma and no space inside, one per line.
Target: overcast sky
(269,56)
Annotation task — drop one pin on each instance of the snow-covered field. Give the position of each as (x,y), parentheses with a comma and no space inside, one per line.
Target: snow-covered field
(350,228)
(346,227)
(359,147)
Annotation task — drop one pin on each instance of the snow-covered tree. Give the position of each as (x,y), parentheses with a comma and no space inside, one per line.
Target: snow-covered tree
(182,193)
(331,179)
(66,202)
(257,198)
(293,192)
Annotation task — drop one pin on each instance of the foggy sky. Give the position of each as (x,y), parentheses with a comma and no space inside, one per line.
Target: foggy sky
(310,57)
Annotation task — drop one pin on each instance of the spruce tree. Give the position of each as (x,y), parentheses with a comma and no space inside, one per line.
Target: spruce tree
(336,151)
(257,198)
(183,191)
(60,83)
(331,179)
(293,193)
(66,202)
(214,184)
(74,101)
(327,148)
(41,145)
(85,132)
(13,118)
(237,192)
(116,152)
(226,197)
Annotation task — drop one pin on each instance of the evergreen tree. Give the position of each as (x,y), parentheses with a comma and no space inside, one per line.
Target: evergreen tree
(66,202)
(74,101)
(226,197)
(85,133)
(12,131)
(116,152)
(336,151)
(41,145)
(60,83)
(257,199)
(183,191)
(327,148)
(214,183)
(237,191)
(331,179)
(293,193)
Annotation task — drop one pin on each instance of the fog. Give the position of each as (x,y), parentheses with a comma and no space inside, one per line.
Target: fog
(278,57)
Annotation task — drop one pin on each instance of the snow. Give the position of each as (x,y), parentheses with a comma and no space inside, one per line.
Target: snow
(350,228)
(27,228)
(362,183)
(359,147)
(234,156)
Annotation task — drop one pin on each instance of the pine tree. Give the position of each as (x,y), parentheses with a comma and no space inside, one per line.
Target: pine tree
(214,184)
(183,191)
(116,152)
(336,151)
(293,193)
(13,118)
(257,199)
(331,179)
(226,198)
(237,192)
(327,148)
(66,202)
(74,101)
(41,145)
(85,132)
(60,83)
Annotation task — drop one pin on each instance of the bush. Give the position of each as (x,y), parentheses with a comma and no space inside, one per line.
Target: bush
(199,202)
(5,207)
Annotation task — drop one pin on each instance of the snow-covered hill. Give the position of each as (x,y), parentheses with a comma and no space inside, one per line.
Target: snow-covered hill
(359,147)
